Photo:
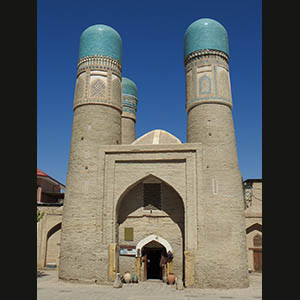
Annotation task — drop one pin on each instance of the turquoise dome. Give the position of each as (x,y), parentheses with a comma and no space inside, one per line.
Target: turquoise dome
(128,87)
(100,40)
(205,34)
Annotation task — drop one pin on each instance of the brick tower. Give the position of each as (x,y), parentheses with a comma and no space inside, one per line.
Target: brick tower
(209,122)
(96,121)
(129,104)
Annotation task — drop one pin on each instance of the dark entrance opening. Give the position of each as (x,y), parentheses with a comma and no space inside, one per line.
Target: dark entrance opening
(153,268)
(152,256)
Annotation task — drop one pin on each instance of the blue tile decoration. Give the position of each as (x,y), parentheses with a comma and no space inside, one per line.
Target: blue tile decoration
(98,88)
(129,87)
(130,110)
(100,40)
(129,96)
(205,34)
(204,85)
(215,79)
(129,103)
(215,90)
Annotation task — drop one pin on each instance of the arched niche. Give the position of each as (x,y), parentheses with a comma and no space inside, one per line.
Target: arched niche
(52,245)
(164,223)
(134,205)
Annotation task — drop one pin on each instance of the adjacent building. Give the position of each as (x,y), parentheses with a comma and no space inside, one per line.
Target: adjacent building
(50,195)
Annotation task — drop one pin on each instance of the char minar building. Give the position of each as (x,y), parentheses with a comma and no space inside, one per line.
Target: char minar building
(130,202)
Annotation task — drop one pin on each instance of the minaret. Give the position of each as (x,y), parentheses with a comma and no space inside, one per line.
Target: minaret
(129,104)
(209,122)
(97,112)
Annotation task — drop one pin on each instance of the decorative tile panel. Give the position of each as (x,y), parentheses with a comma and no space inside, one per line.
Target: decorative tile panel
(129,106)
(98,88)
(98,85)
(208,71)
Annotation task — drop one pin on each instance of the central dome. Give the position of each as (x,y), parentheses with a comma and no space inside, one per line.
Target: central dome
(205,34)
(100,40)
(157,136)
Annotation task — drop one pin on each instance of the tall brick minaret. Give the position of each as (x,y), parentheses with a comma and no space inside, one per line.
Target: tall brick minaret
(129,105)
(96,121)
(209,122)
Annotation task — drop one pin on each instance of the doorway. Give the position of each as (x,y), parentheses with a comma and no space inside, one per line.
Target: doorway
(153,257)
(154,270)
(257,258)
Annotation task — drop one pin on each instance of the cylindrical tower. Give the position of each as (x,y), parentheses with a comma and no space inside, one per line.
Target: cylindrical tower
(206,57)
(129,105)
(96,121)
(209,109)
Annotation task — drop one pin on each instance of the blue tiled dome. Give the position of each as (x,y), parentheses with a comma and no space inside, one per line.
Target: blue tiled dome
(128,87)
(100,40)
(205,34)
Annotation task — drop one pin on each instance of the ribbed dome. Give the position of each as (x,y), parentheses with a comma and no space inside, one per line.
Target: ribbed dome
(205,34)
(100,40)
(128,87)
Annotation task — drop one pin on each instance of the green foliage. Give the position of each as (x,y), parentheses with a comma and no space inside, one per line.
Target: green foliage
(40,214)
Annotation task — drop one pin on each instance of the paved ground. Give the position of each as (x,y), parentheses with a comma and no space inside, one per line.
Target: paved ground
(49,288)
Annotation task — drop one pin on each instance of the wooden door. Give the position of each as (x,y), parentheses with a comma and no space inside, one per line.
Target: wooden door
(257,258)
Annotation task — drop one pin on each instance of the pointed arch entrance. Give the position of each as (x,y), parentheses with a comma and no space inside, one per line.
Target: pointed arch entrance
(154,252)
(150,238)
(149,219)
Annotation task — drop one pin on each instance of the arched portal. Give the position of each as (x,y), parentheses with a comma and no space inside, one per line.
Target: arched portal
(254,242)
(150,238)
(154,252)
(149,219)
(52,246)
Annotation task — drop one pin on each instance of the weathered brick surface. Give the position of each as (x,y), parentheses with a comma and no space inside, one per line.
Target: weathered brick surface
(213,215)
(203,210)
(167,223)
(48,246)
(128,130)
(93,125)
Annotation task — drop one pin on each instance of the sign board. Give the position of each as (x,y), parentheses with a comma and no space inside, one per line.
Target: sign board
(128,251)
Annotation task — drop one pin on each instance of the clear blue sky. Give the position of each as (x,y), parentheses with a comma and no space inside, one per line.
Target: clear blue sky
(152,49)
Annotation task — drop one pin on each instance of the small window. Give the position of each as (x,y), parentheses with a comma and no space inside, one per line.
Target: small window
(152,196)
(128,234)
(257,240)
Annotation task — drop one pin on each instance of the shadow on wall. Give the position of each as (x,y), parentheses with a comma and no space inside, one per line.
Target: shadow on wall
(134,198)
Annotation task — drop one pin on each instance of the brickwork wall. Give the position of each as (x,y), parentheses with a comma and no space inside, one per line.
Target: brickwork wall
(53,248)
(204,172)
(128,130)
(96,121)
(45,185)
(167,223)
(253,216)
(48,250)
(221,258)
